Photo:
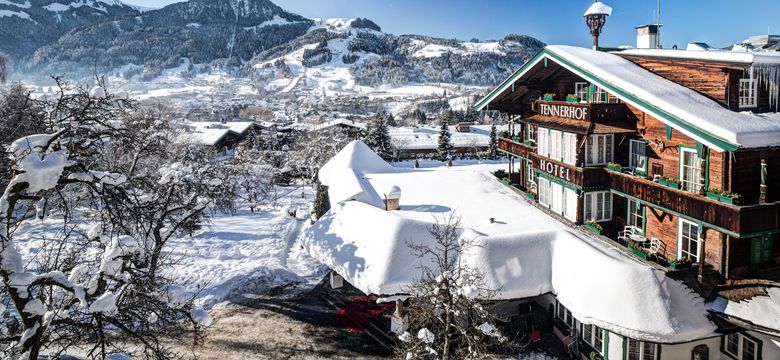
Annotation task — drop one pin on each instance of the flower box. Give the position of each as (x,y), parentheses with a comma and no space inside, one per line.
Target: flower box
(671,184)
(639,253)
(548,97)
(572,99)
(530,143)
(675,266)
(594,228)
(505,181)
(615,167)
(722,198)
(516,139)
(531,195)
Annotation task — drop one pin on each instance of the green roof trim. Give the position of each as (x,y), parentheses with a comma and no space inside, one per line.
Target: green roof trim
(652,109)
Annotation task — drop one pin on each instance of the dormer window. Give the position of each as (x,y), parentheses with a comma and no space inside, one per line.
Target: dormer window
(748,96)
(581,89)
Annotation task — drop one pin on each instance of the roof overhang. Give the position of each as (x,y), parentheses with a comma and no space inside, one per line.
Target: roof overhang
(707,138)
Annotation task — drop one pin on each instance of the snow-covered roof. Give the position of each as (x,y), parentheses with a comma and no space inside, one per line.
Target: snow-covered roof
(239,127)
(682,108)
(599,8)
(341,122)
(742,57)
(427,138)
(524,252)
(754,310)
(209,136)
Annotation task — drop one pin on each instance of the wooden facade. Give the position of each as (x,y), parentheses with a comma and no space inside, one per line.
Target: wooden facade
(727,233)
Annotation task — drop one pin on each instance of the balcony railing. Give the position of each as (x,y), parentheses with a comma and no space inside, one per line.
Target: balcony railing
(743,220)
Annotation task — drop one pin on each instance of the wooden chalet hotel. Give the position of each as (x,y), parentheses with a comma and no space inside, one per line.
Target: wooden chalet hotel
(675,152)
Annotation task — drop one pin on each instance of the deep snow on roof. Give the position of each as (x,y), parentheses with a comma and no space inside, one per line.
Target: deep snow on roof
(708,116)
(754,310)
(524,252)
(742,57)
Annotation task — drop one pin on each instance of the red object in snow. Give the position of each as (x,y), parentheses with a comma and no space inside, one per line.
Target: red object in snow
(536,335)
(358,311)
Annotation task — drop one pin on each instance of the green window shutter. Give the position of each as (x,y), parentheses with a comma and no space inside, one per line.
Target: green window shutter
(700,150)
(668,132)
(760,250)
(606,345)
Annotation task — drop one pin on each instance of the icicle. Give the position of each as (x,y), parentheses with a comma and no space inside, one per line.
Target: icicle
(769,74)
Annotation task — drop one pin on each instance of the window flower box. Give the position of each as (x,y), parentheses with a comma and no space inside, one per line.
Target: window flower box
(594,228)
(615,167)
(669,182)
(637,250)
(516,139)
(530,143)
(572,98)
(531,195)
(505,181)
(548,97)
(722,196)
(679,264)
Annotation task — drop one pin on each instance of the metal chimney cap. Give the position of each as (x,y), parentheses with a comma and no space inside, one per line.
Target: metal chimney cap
(599,8)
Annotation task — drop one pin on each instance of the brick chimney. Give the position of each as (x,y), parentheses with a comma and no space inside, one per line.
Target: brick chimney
(393,198)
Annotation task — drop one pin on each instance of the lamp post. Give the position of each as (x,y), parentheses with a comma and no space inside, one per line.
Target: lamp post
(596,17)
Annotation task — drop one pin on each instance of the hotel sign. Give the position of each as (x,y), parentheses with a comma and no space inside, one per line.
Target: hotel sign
(569,111)
(554,169)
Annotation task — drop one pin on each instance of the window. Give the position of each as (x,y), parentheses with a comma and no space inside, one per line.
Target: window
(640,350)
(544,191)
(593,336)
(559,199)
(747,93)
(563,314)
(530,132)
(688,240)
(599,95)
(544,142)
(637,159)
(598,206)
(555,144)
(690,170)
(741,347)
(581,89)
(569,148)
(598,150)
(531,173)
(636,215)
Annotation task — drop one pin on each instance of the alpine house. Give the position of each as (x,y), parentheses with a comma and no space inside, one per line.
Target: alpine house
(643,212)
(673,154)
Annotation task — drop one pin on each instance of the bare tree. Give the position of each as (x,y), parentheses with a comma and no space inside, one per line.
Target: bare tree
(3,68)
(99,170)
(445,319)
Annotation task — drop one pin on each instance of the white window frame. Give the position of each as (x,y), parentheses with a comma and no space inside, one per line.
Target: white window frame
(530,132)
(635,219)
(567,317)
(680,240)
(748,93)
(640,355)
(592,336)
(556,139)
(570,202)
(593,151)
(545,190)
(591,206)
(600,96)
(637,160)
(569,148)
(582,90)
(543,143)
(531,173)
(693,184)
(741,339)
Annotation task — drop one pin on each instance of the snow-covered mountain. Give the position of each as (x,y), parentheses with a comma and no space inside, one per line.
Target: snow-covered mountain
(258,39)
(200,31)
(26,25)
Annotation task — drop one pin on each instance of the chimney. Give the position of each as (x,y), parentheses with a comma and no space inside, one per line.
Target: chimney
(393,198)
(648,36)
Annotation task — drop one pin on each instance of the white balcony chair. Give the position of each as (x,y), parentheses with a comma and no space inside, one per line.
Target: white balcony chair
(624,236)
(654,247)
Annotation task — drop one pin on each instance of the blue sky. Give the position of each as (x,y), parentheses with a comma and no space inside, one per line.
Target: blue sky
(717,22)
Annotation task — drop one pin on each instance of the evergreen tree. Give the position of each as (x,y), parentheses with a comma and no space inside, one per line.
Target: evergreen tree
(321,201)
(445,142)
(493,144)
(378,139)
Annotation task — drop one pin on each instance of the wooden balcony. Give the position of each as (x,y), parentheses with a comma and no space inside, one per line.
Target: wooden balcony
(590,112)
(583,177)
(742,220)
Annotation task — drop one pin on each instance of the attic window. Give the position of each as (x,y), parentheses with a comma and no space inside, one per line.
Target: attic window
(747,93)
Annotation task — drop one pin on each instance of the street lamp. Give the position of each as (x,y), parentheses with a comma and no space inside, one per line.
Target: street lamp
(596,17)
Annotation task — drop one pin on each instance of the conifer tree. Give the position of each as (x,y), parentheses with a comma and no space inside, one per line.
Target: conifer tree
(321,201)
(493,144)
(378,139)
(445,142)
